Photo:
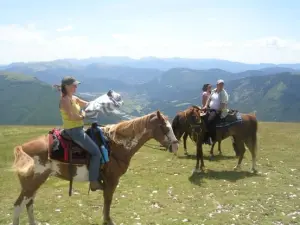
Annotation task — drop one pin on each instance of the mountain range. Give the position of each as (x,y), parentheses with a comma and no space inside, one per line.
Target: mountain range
(162,63)
(148,84)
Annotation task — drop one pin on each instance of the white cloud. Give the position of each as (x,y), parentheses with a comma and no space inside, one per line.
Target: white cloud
(27,43)
(269,42)
(20,43)
(66,28)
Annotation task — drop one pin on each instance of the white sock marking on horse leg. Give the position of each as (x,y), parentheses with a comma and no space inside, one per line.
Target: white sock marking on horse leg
(17,212)
(30,215)
(18,209)
(30,212)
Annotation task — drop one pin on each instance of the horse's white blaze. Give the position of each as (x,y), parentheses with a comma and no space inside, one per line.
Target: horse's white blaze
(171,137)
(39,168)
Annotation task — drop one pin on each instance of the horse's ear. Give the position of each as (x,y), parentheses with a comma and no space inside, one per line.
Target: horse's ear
(159,116)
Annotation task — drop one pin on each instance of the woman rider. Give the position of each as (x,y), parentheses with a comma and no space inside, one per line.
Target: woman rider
(206,93)
(72,117)
(217,103)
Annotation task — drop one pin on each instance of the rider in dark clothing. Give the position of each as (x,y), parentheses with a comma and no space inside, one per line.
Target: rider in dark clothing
(217,105)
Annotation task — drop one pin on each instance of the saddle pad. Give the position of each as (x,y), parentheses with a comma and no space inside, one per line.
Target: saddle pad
(230,120)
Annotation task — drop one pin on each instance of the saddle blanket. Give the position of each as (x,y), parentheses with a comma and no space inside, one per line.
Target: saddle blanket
(60,145)
(230,120)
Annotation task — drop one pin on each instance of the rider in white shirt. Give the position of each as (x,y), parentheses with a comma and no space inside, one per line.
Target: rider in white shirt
(217,104)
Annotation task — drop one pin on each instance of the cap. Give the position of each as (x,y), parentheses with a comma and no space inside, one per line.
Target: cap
(69,81)
(220,81)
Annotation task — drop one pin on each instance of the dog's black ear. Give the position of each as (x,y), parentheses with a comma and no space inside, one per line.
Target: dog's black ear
(109,93)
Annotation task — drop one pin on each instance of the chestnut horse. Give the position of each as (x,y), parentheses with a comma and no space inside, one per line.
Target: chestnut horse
(33,165)
(243,133)
(182,128)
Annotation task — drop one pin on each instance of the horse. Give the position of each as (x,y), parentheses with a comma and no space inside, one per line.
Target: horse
(242,127)
(182,127)
(33,164)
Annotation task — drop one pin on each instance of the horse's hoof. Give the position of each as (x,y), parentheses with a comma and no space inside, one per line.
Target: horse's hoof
(203,169)
(195,171)
(109,223)
(220,153)
(186,153)
(211,157)
(237,168)
(254,171)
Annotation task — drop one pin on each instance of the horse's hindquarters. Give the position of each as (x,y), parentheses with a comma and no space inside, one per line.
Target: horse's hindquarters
(61,170)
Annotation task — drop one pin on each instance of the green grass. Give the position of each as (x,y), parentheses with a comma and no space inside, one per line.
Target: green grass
(159,189)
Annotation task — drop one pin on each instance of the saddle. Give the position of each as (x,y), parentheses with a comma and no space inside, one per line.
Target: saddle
(231,117)
(65,150)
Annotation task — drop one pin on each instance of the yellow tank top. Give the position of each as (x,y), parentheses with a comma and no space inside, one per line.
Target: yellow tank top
(67,122)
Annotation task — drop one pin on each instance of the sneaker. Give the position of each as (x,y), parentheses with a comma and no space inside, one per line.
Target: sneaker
(96,185)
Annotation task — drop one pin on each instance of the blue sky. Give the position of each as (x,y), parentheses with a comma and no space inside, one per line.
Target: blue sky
(247,31)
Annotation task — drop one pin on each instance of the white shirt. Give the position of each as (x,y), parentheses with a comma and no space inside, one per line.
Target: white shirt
(214,101)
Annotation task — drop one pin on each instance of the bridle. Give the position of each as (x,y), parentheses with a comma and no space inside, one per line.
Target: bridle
(166,135)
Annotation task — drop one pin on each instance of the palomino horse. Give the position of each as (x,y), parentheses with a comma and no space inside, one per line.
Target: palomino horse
(181,126)
(243,131)
(34,166)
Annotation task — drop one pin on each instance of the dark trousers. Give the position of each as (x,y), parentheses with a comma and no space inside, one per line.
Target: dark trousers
(212,123)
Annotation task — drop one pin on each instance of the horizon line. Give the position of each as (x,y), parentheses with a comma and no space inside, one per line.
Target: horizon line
(150,57)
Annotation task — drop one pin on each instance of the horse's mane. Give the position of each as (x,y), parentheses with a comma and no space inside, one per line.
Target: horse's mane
(127,130)
(195,106)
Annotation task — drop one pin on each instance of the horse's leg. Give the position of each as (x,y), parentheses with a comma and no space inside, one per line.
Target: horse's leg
(202,167)
(199,157)
(26,198)
(29,207)
(219,147)
(234,147)
(109,189)
(18,207)
(184,143)
(252,146)
(241,149)
(212,151)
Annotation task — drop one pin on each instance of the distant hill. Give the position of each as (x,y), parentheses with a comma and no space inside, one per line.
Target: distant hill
(25,100)
(163,63)
(52,72)
(272,97)
(271,91)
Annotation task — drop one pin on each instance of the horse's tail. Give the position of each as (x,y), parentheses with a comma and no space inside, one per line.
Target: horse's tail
(23,164)
(254,128)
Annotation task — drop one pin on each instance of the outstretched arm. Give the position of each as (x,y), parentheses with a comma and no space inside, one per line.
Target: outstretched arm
(81,102)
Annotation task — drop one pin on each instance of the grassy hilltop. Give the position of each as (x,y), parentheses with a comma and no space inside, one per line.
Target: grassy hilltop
(158,188)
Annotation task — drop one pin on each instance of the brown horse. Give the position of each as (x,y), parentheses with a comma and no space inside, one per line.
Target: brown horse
(34,166)
(182,127)
(243,133)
